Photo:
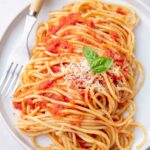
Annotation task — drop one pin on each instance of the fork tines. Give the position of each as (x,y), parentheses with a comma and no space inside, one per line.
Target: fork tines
(9,81)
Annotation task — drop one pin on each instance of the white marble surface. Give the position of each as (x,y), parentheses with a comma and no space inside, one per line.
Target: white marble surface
(8,10)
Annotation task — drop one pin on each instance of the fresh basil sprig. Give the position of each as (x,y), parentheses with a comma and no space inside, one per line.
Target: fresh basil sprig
(97,64)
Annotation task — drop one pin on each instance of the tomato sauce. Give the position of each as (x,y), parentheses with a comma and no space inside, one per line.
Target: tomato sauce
(42,104)
(55,44)
(91,24)
(117,57)
(45,85)
(114,35)
(17,105)
(56,109)
(121,11)
(55,68)
(29,102)
(71,19)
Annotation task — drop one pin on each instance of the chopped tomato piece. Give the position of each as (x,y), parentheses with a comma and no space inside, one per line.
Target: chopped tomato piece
(45,85)
(66,99)
(55,68)
(85,145)
(91,24)
(114,77)
(29,102)
(114,35)
(120,61)
(71,19)
(116,56)
(84,40)
(111,54)
(17,105)
(96,118)
(121,11)
(54,45)
(52,49)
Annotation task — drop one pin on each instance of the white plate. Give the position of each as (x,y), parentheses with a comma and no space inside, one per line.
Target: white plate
(13,34)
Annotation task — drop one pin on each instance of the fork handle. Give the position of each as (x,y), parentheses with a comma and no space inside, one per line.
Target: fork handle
(35,7)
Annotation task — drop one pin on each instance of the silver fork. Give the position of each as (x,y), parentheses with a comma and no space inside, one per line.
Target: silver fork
(15,65)
(20,56)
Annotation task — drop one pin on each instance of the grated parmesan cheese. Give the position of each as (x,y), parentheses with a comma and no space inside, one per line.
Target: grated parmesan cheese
(78,73)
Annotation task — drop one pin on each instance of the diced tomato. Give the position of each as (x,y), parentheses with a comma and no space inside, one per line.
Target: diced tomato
(54,45)
(114,77)
(120,61)
(84,40)
(91,24)
(83,143)
(17,105)
(43,71)
(82,92)
(29,102)
(96,118)
(52,49)
(55,68)
(116,56)
(71,19)
(111,54)
(66,99)
(121,11)
(114,35)
(45,85)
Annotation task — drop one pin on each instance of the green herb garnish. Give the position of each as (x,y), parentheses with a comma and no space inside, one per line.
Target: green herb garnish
(97,64)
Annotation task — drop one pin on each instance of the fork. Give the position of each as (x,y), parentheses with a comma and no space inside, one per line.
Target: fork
(15,65)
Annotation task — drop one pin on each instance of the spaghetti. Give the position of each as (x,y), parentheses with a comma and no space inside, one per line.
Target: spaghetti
(61,97)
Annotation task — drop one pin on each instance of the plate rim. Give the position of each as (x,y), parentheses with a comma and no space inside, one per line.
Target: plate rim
(3,39)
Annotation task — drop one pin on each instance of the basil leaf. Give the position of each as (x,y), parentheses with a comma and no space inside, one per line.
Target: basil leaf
(99,69)
(101,64)
(89,54)
(98,61)
(97,64)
